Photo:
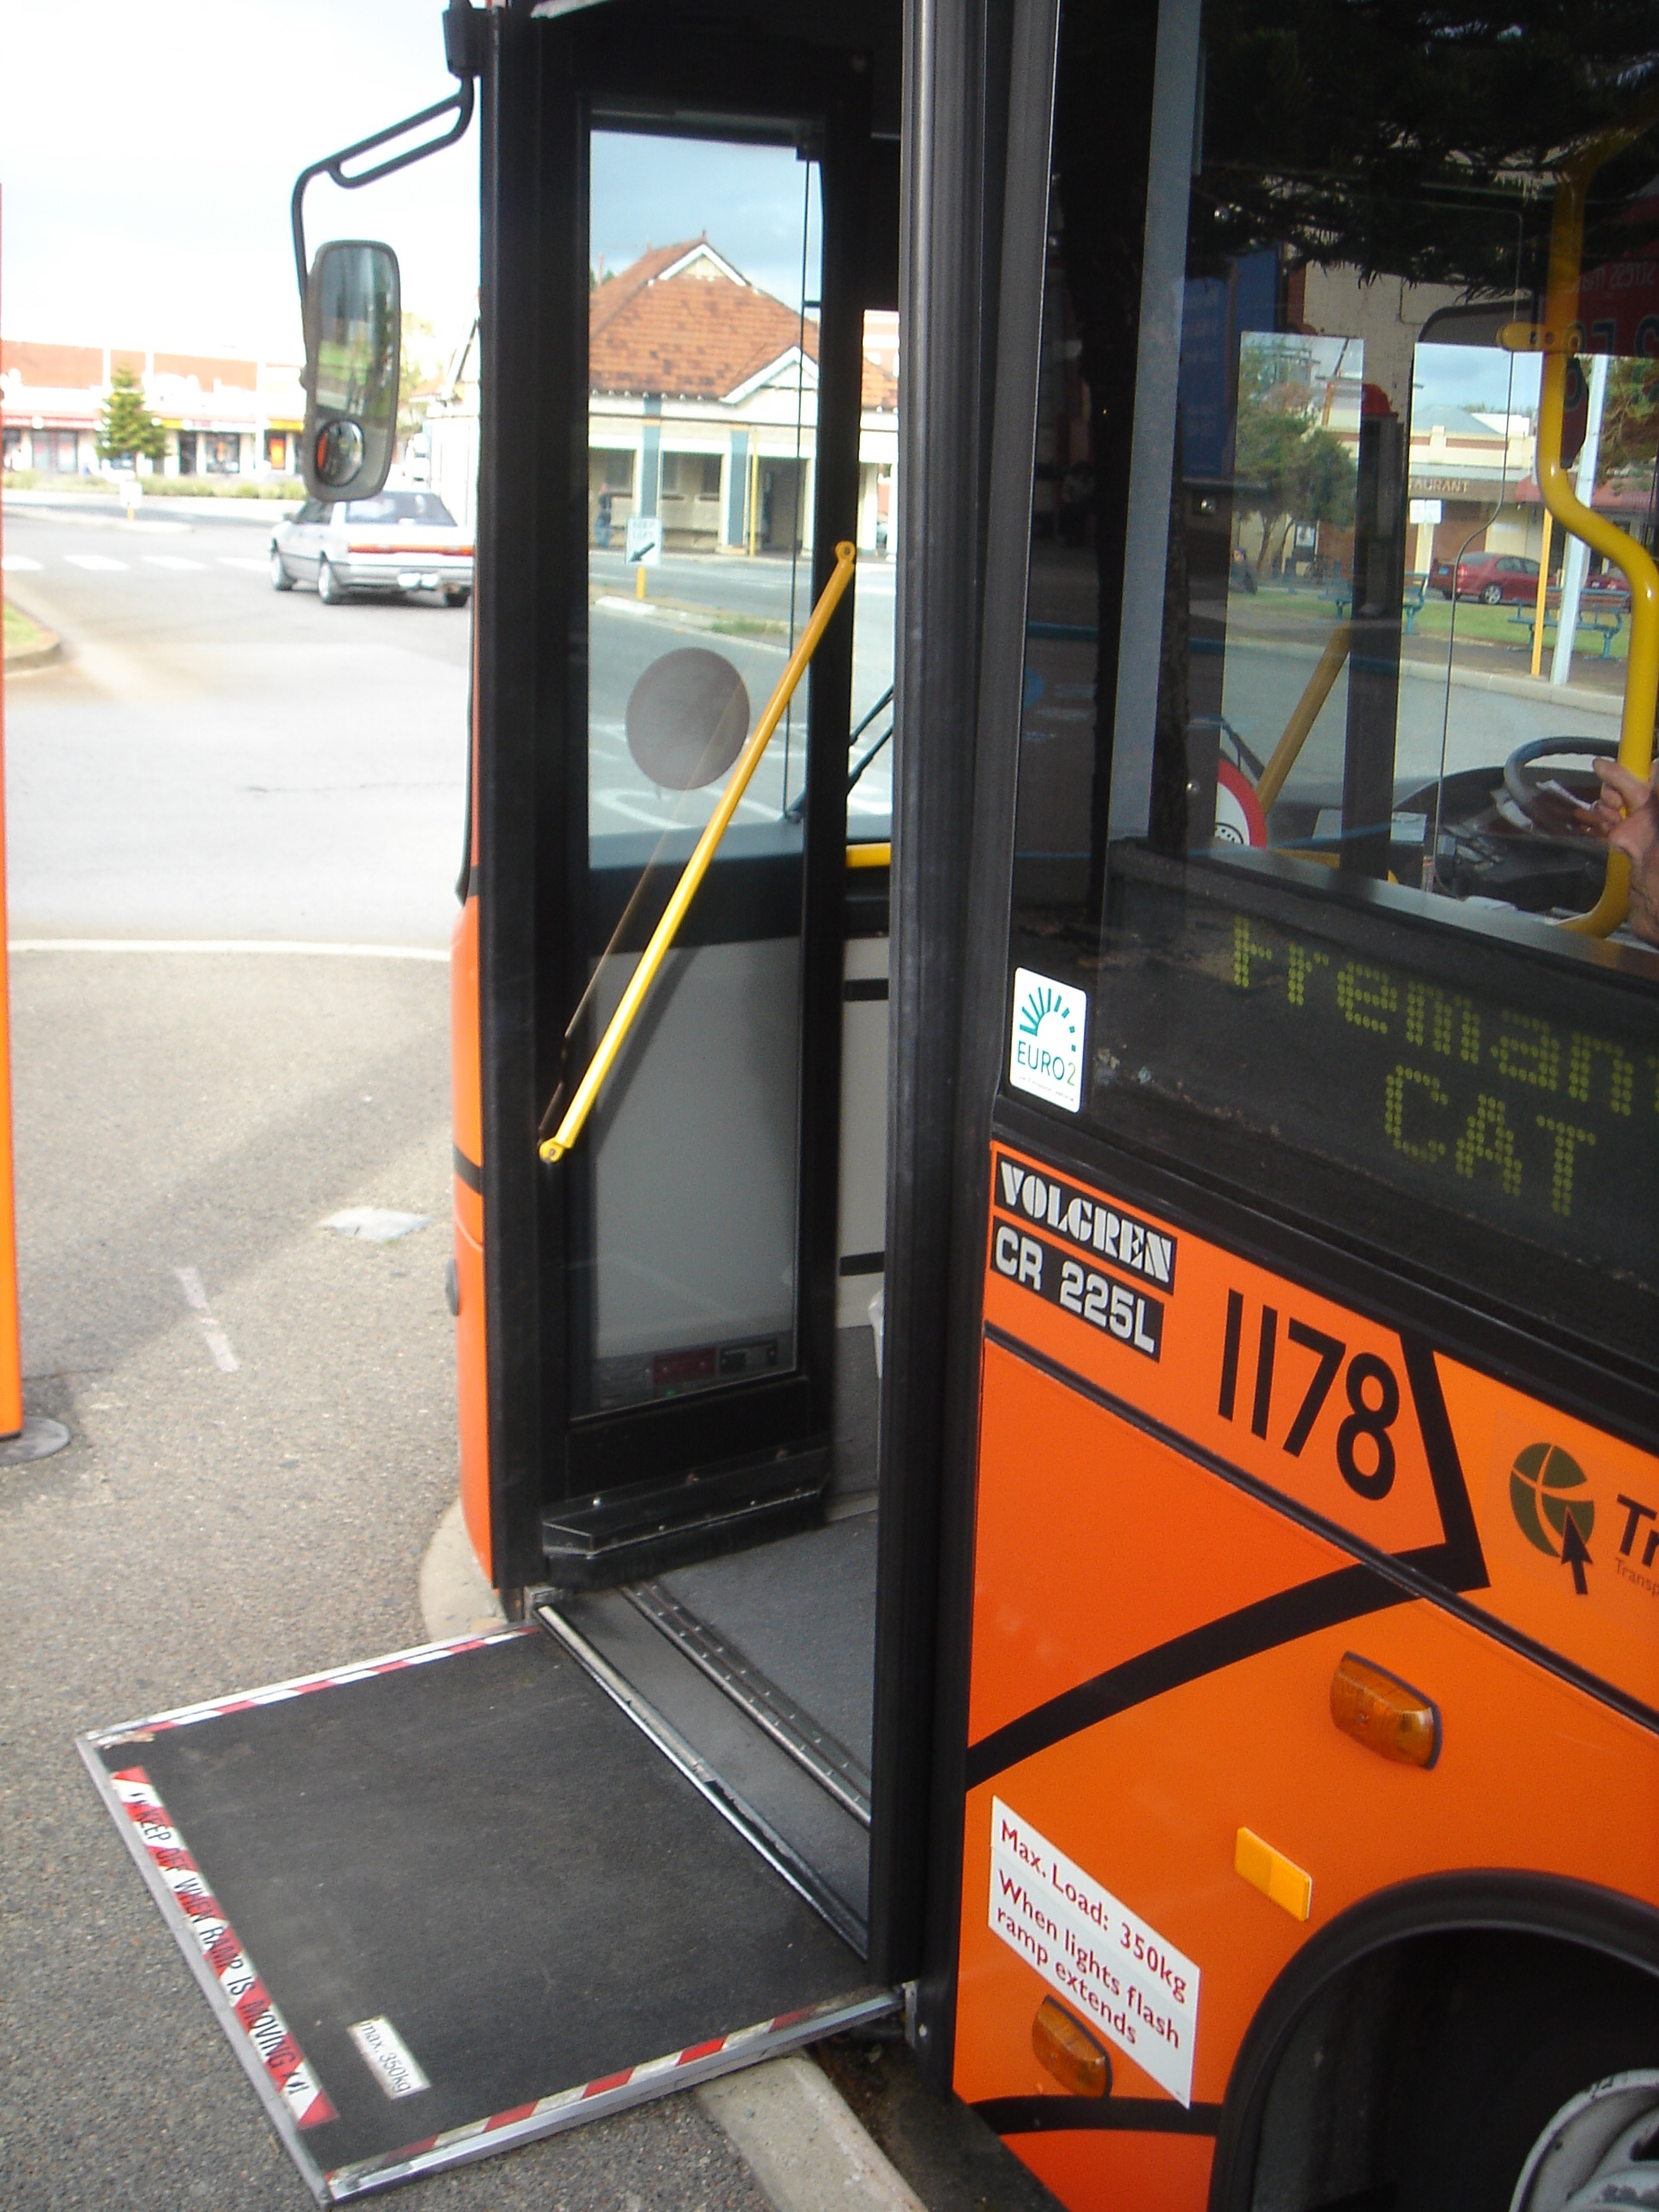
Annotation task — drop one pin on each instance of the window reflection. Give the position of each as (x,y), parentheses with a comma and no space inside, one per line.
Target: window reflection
(1331,618)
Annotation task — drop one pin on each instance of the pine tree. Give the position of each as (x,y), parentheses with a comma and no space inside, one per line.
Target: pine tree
(128,428)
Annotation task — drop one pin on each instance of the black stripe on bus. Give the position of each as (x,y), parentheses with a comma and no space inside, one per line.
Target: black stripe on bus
(1041,2115)
(858,988)
(1348,1593)
(468,1170)
(1436,1572)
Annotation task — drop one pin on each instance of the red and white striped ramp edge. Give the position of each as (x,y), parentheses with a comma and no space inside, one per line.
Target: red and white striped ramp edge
(266,2030)
(723,2054)
(365,1670)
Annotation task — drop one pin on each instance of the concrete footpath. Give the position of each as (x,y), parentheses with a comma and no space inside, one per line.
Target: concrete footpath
(261,1421)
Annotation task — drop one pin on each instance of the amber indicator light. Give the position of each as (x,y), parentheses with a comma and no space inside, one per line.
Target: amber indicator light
(1383,1713)
(1066,2049)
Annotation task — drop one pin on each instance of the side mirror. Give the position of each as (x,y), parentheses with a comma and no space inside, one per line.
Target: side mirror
(353,326)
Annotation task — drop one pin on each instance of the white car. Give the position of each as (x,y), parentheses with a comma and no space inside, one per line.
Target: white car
(401,540)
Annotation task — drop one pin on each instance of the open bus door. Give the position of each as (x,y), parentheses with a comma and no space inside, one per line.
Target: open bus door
(1239,1733)
(465,1895)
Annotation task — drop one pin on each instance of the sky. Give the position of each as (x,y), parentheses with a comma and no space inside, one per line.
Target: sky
(750,199)
(144,196)
(1477,378)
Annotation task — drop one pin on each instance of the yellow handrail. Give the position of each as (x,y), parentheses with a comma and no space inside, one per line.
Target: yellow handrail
(662,937)
(1304,715)
(1559,338)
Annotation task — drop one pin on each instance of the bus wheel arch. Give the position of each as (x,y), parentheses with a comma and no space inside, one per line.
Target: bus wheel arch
(1499,1994)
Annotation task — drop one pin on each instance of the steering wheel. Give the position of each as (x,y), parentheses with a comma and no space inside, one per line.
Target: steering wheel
(1556,802)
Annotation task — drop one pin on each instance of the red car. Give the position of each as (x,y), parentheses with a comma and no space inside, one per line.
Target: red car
(1608,588)
(1491,577)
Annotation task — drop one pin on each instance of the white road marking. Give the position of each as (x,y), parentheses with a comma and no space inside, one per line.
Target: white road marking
(376,1225)
(224,945)
(219,1344)
(245,561)
(171,561)
(99,561)
(16,564)
(213,1336)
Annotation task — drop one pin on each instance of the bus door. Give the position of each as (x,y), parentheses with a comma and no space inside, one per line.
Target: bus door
(1308,1852)
(465,1895)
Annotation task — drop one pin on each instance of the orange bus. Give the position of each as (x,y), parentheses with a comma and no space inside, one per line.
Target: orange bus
(1055,1311)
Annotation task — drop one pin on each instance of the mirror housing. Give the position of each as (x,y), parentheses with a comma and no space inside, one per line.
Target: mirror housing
(353,326)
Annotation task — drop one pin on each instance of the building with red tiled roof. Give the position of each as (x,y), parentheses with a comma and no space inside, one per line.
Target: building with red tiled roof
(703,409)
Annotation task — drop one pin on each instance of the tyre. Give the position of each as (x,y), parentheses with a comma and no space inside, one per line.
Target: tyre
(1512,2028)
(1493,595)
(280,579)
(330,590)
(457,599)
(1435,2076)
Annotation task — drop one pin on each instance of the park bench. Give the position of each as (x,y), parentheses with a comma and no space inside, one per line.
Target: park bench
(1411,605)
(1607,622)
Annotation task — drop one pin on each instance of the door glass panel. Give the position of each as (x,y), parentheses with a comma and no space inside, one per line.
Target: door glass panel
(1317,719)
(702,354)
(869,764)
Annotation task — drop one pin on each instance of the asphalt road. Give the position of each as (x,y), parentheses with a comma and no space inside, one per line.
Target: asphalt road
(213,756)
(213,760)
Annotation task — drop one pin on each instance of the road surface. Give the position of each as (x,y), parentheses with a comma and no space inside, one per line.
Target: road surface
(262,1410)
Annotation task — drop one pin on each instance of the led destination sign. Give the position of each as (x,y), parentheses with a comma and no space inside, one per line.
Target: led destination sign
(1522,1093)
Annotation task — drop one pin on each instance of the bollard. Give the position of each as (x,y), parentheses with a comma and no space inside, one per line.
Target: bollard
(19,1439)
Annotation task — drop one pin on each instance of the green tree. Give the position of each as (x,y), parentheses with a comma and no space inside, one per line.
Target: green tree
(1287,467)
(127,428)
(1630,422)
(420,373)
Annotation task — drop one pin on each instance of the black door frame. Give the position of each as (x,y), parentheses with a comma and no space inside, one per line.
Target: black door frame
(543,84)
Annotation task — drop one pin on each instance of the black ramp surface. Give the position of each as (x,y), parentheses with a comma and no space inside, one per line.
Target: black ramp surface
(803,1611)
(485,1851)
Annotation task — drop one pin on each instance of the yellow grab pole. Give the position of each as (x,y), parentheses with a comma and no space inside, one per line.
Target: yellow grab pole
(1559,338)
(1543,585)
(1303,716)
(639,983)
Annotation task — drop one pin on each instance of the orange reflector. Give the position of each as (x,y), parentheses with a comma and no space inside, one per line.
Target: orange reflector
(1273,1875)
(1383,1713)
(1066,2049)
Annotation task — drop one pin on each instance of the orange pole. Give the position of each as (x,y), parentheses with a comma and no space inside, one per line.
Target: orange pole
(11,1349)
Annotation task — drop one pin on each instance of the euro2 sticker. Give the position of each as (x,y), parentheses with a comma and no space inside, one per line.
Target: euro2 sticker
(1046,1056)
(1104,1960)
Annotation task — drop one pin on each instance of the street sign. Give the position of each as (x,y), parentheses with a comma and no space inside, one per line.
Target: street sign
(644,540)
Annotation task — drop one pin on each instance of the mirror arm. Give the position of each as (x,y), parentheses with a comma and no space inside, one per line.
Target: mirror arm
(463,30)
(460,103)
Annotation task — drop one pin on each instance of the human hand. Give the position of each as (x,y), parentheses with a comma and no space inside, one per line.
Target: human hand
(1627,815)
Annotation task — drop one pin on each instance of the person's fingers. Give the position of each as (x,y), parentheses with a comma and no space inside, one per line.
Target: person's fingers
(1639,835)
(1618,779)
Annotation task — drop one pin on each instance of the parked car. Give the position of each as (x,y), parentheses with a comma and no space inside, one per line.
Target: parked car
(1493,578)
(1607,590)
(402,540)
